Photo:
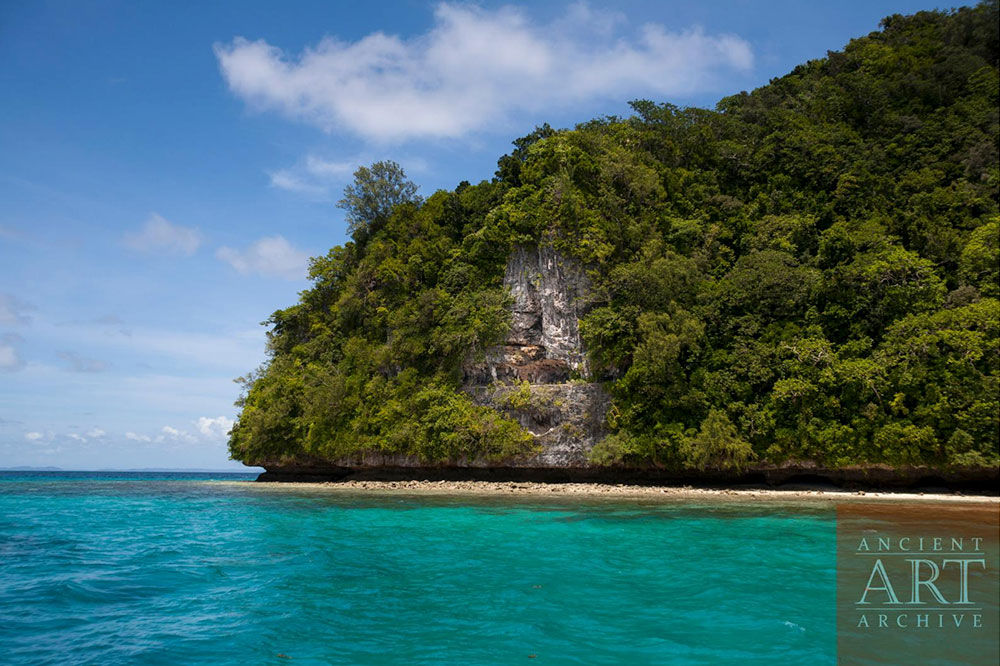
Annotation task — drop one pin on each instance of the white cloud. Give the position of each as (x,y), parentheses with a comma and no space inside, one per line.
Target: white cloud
(10,359)
(214,427)
(314,177)
(475,68)
(13,311)
(137,438)
(329,169)
(160,236)
(96,433)
(285,179)
(33,436)
(268,256)
(173,434)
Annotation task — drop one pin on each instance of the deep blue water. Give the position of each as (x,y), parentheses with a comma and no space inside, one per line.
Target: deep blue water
(201,569)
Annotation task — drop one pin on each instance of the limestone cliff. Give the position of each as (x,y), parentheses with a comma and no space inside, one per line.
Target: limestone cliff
(544,345)
(559,406)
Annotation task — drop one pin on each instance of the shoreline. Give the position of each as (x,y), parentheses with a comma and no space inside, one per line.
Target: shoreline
(588,490)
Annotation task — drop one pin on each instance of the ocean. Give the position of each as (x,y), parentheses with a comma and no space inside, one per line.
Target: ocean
(129,568)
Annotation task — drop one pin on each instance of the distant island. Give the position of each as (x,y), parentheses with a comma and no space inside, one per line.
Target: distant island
(805,278)
(28,468)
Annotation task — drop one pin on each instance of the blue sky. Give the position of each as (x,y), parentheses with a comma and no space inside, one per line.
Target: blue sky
(166,169)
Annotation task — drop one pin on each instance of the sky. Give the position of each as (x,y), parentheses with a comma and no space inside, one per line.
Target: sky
(167,169)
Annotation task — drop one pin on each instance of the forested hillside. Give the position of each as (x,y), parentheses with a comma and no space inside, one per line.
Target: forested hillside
(807,272)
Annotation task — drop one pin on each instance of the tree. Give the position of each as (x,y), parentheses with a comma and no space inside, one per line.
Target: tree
(717,445)
(375,193)
(509,166)
(980,262)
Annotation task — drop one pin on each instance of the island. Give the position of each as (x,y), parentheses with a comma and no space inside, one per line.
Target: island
(800,285)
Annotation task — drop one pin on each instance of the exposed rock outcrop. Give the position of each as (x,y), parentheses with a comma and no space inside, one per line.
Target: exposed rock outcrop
(544,345)
(544,350)
(565,419)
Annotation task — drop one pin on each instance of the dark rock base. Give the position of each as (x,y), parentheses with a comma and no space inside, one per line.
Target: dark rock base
(984,481)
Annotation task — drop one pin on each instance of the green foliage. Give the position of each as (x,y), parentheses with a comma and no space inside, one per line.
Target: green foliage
(980,262)
(717,445)
(808,272)
(374,194)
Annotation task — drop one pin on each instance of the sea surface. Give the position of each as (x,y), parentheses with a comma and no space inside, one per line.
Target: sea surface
(105,568)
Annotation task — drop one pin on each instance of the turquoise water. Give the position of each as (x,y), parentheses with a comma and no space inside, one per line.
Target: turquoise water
(173,569)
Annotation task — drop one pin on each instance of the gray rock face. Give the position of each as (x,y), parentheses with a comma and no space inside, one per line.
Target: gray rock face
(549,292)
(544,345)
(544,349)
(565,419)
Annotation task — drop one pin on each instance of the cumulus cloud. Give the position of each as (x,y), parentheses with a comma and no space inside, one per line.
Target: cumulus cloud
(214,427)
(96,433)
(13,311)
(10,359)
(168,433)
(77,363)
(135,437)
(268,256)
(474,68)
(162,237)
(33,436)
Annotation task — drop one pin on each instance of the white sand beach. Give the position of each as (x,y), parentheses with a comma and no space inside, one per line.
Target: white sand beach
(620,490)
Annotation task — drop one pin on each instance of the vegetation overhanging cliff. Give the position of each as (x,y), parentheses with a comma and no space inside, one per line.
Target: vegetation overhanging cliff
(807,273)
